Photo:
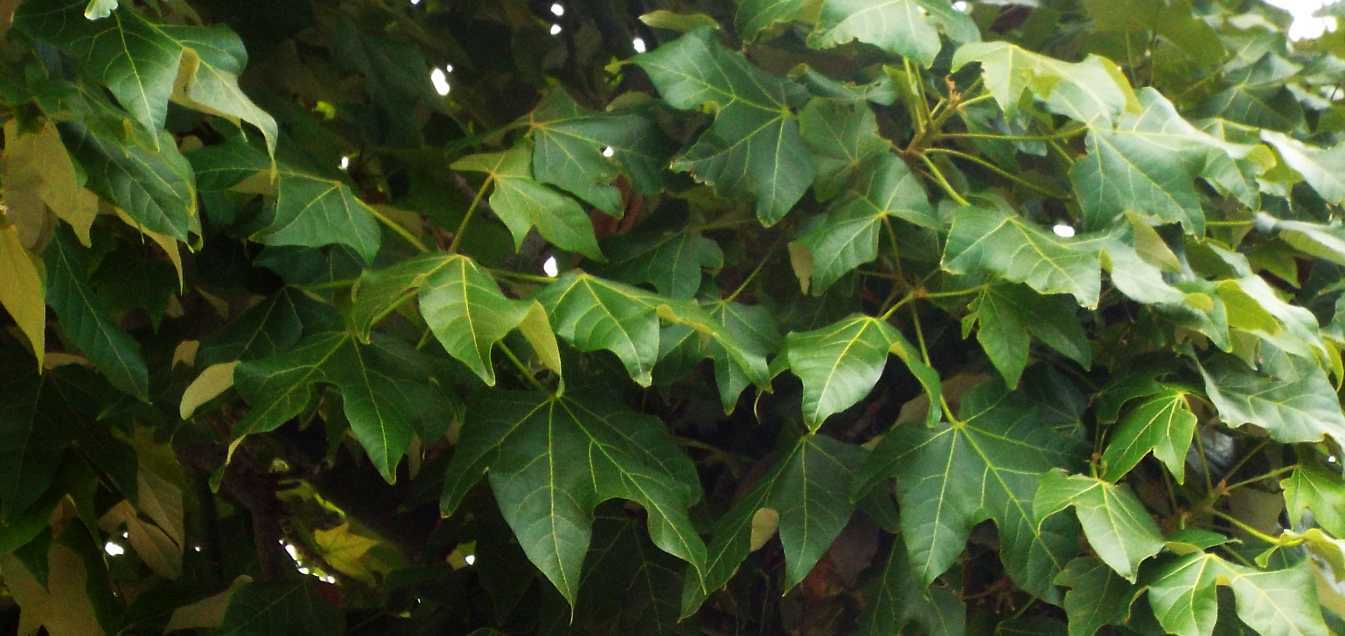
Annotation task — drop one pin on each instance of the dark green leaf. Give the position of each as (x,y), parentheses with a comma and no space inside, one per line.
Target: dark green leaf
(986,466)
(1007,314)
(154,187)
(1275,603)
(842,135)
(523,203)
(1162,423)
(31,441)
(807,487)
(670,261)
(583,152)
(1116,524)
(839,364)
(1313,487)
(552,460)
(899,599)
(311,211)
(592,314)
(381,412)
(1097,597)
(1290,398)
(85,319)
(753,148)
(755,15)
(847,236)
(274,609)
(999,242)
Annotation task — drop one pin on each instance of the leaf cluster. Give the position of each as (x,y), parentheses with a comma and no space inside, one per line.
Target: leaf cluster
(696,316)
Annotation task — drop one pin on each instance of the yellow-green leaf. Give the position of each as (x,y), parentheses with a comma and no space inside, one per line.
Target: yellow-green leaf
(23,290)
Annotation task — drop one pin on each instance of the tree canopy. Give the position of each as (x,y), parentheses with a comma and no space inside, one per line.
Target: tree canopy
(673,316)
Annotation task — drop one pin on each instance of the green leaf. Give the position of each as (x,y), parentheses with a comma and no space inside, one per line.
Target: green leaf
(32,439)
(754,328)
(999,242)
(1183,594)
(627,578)
(1003,332)
(155,187)
(468,313)
(265,329)
(902,27)
(1090,91)
(1173,23)
(1162,423)
(1327,550)
(839,364)
(224,165)
(85,320)
(899,598)
(847,236)
(1147,163)
(1290,397)
(1323,169)
(755,15)
(1192,304)
(395,77)
(1319,240)
(1312,486)
(583,152)
(212,59)
(373,381)
(842,135)
(596,314)
(670,261)
(284,607)
(311,211)
(593,315)
(1008,314)
(1097,597)
(552,460)
(807,486)
(954,476)
(1116,524)
(881,91)
(753,148)
(135,60)
(523,203)
(1275,603)
(1256,96)
(1256,307)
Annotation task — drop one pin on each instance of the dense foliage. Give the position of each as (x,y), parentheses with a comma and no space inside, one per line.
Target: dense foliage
(677,316)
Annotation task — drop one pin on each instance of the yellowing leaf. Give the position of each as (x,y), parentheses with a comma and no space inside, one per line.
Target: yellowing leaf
(1088,91)
(207,613)
(158,493)
(764,523)
(207,79)
(150,542)
(37,170)
(214,380)
(23,290)
(63,605)
(346,550)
